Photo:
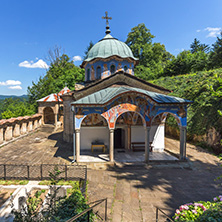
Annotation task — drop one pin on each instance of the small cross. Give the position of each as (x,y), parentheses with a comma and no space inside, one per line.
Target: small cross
(107,18)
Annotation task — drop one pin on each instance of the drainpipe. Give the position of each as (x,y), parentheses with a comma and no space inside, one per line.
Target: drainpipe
(74,136)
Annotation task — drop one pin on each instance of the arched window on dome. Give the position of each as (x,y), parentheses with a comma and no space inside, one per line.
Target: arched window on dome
(88,75)
(98,72)
(112,69)
(125,68)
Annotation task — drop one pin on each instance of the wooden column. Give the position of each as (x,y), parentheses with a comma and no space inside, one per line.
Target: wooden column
(111,145)
(129,137)
(183,132)
(56,119)
(77,140)
(147,143)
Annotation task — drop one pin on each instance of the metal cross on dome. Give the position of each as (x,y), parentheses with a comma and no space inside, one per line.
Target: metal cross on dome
(107,18)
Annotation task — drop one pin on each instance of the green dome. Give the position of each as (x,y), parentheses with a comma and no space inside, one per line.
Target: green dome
(107,47)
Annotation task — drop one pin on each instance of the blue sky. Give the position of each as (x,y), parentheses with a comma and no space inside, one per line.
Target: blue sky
(28,29)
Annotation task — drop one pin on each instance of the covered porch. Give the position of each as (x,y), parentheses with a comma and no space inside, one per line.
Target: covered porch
(129,127)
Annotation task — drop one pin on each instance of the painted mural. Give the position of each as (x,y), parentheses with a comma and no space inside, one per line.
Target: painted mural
(137,108)
(94,119)
(92,73)
(105,72)
(129,118)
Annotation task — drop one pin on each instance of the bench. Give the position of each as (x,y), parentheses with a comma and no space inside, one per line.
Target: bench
(140,146)
(98,145)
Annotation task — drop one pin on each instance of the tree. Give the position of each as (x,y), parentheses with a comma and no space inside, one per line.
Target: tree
(62,72)
(87,49)
(216,54)
(15,107)
(140,42)
(153,57)
(196,46)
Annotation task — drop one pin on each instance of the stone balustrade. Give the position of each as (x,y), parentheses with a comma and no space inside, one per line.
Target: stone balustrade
(15,127)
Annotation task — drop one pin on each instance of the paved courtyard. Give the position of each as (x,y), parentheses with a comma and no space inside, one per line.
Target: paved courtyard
(133,191)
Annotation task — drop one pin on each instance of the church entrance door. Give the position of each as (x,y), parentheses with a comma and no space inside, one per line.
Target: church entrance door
(119,138)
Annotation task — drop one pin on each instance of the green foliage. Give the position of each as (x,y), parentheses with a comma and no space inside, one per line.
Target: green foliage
(61,72)
(14,182)
(14,107)
(202,88)
(196,46)
(57,209)
(200,211)
(213,214)
(87,49)
(153,57)
(186,62)
(215,59)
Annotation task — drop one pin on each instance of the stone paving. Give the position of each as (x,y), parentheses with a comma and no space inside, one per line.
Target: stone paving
(126,156)
(133,191)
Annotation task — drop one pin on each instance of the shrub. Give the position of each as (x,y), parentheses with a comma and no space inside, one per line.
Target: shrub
(200,211)
(213,214)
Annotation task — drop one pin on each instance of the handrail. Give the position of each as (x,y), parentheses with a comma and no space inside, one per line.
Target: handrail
(157,208)
(97,202)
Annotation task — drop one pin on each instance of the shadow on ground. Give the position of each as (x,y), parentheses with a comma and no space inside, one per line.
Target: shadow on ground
(172,187)
(64,149)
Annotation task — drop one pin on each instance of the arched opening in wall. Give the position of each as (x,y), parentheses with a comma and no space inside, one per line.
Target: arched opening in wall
(94,139)
(88,75)
(98,72)
(125,68)
(129,138)
(112,69)
(49,117)
(164,147)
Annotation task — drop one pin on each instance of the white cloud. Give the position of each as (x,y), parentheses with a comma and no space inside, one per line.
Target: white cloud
(10,83)
(15,87)
(213,32)
(198,30)
(77,58)
(39,64)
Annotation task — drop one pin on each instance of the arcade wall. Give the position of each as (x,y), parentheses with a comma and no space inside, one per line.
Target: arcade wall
(13,128)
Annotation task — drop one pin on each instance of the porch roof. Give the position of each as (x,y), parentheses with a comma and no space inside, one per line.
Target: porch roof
(105,95)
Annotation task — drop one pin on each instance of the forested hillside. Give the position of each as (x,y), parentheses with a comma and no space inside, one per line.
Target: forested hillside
(205,90)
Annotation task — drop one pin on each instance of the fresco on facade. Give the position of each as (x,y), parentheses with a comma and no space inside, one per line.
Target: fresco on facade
(119,67)
(113,113)
(129,118)
(92,73)
(132,103)
(105,72)
(94,119)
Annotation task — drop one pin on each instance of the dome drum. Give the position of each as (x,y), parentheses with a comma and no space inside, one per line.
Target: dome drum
(101,69)
(108,56)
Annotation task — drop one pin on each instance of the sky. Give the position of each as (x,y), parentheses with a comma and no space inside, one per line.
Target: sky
(29,29)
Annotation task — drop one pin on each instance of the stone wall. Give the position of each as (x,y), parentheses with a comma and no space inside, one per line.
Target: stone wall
(212,138)
(15,127)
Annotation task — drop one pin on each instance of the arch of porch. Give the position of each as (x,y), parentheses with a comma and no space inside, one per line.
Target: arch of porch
(148,114)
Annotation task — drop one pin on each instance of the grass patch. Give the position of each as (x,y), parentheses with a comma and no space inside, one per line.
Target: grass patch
(61,182)
(13,182)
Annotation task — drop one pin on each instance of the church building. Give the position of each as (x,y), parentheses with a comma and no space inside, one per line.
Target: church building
(113,109)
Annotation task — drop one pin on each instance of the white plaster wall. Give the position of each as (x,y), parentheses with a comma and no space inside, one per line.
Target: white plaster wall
(90,134)
(157,134)
(137,134)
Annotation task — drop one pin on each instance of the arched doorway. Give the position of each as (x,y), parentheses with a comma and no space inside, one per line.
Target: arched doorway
(94,139)
(159,135)
(129,130)
(49,117)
